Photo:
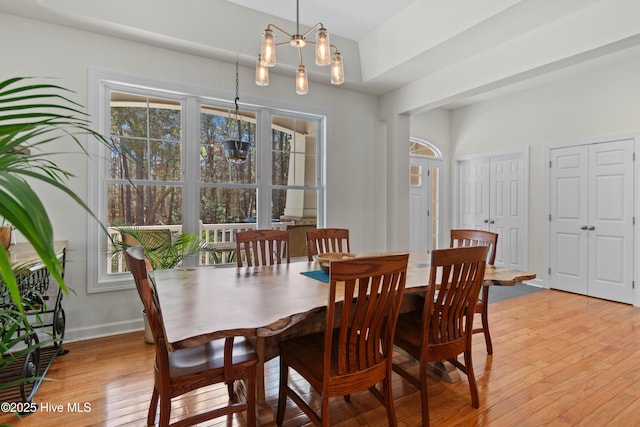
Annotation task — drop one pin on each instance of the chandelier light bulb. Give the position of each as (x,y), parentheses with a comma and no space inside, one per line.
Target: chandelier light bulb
(262,73)
(268,51)
(337,70)
(302,84)
(323,48)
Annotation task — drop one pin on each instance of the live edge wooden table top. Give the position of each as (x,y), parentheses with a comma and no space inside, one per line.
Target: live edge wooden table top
(203,304)
(266,303)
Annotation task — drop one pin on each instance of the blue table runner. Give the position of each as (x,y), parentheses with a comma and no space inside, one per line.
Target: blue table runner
(321,275)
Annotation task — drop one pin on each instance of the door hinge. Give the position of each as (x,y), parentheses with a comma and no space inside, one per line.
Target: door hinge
(550,164)
(549,271)
(633,284)
(549,217)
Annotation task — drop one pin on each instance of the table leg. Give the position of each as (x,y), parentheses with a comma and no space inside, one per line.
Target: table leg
(265,414)
(445,371)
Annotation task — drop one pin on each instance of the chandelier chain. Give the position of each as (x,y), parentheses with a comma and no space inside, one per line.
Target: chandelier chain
(237,86)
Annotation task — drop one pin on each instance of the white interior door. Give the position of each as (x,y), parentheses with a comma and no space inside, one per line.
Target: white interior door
(424,202)
(591,242)
(507,215)
(610,225)
(474,194)
(568,192)
(492,196)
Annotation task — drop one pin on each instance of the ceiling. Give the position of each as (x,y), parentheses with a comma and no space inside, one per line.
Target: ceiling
(343,18)
(443,53)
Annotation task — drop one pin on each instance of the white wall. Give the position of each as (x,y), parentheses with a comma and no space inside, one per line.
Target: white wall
(601,100)
(435,127)
(38,49)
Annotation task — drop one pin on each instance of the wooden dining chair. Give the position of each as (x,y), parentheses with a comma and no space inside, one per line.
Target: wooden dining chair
(323,240)
(474,238)
(184,370)
(354,353)
(441,329)
(262,247)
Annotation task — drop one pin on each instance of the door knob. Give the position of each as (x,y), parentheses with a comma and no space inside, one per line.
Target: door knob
(492,222)
(591,227)
(486,221)
(584,227)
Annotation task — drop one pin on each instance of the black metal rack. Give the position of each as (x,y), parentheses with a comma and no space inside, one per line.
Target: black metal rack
(38,340)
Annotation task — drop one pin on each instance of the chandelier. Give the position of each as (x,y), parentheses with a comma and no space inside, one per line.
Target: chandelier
(267,57)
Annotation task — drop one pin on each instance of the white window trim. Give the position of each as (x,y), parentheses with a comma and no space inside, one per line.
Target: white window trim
(99,81)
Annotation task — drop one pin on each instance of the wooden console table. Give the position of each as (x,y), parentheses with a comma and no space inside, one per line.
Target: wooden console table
(42,302)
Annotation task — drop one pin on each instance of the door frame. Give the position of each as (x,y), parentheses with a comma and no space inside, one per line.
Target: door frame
(431,161)
(524,153)
(636,204)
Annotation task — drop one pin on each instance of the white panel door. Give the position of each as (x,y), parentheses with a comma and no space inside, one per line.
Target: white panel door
(424,202)
(591,242)
(568,227)
(492,193)
(419,202)
(474,194)
(506,209)
(610,225)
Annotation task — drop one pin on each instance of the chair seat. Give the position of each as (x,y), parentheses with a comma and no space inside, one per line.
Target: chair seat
(409,332)
(306,353)
(208,356)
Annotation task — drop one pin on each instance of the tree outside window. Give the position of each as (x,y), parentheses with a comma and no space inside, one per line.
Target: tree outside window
(146,183)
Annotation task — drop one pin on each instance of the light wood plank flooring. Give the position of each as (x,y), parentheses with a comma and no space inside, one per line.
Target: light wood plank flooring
(560,360)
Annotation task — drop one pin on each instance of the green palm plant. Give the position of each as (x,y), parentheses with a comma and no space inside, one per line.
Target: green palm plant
(160,249)
(32,115)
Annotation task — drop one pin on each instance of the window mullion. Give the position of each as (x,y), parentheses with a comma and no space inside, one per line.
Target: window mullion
(191,169)
(264,168)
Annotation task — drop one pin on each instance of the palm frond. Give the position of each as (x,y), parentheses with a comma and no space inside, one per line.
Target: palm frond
(32,115)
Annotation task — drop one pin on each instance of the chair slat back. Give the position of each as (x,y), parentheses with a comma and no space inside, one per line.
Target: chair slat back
(464,237)
(262,247)
(455,280)
(137,265)
(372,288)
(323,240)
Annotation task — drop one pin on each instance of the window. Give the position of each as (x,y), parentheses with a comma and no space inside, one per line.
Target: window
(228,191)
(144,181)
(168,170)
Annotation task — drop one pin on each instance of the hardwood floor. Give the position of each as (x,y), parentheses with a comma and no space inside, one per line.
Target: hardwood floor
(559,359)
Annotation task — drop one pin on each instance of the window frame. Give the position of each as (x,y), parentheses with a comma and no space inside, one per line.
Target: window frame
(102,82)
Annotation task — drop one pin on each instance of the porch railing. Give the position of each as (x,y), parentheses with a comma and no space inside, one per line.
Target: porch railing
(209,233)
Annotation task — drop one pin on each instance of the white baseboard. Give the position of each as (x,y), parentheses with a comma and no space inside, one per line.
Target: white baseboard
(538,283)
(103,330)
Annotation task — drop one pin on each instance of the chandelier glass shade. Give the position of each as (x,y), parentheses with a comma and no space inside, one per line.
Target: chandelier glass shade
(323,54)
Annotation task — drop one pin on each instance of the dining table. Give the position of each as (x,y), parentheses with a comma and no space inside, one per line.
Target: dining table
(267,303)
